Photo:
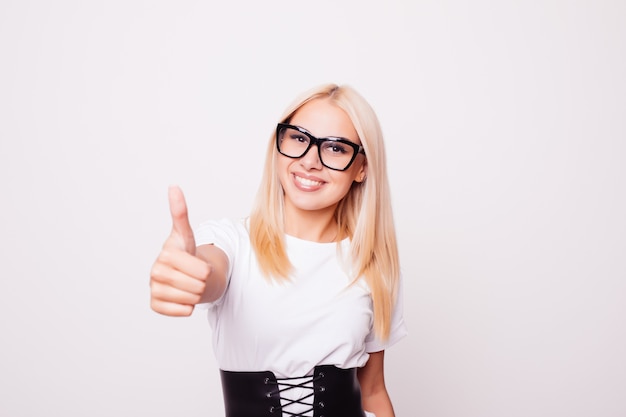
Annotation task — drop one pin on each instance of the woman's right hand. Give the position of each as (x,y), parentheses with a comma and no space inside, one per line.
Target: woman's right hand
(178,277)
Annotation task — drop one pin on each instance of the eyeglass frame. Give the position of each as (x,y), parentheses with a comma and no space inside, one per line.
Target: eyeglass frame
(358,149)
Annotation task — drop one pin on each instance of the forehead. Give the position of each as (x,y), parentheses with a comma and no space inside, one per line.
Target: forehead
(323,118)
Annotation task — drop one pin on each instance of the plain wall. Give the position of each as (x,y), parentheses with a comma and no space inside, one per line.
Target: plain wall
(506,137)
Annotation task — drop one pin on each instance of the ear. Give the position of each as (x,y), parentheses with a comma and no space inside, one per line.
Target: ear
(362,173)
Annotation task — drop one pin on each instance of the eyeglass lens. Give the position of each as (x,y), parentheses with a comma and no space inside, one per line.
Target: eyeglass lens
(333,154)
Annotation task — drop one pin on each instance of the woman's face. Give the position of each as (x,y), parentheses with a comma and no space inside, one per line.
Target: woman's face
(309,185)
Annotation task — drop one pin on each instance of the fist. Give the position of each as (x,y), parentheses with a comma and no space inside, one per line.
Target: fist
(178,278)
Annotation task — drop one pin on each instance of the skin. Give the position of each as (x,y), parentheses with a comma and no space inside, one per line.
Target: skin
(309,209)
(374,395)
(179,278)
(184,275)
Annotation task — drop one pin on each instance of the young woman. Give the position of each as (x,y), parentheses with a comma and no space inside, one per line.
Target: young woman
(304,296)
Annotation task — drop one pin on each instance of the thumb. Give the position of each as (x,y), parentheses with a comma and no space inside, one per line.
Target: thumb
(180,218)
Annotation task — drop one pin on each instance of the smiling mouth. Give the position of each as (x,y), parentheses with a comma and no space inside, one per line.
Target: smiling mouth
(307,182)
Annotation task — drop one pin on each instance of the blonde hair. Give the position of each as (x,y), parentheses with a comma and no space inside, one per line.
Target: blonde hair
(364,215)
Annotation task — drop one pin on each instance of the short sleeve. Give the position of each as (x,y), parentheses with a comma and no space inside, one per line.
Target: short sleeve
(398,328)
(225,235)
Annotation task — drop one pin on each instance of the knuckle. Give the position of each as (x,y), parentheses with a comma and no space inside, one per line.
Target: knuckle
(202,287)
(194,299)
(156,292)
(156,305)
(165,256)
(156,271)
(162,293)
(162,274)
(168,279)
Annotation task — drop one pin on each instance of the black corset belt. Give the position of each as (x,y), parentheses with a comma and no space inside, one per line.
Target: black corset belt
(334,392)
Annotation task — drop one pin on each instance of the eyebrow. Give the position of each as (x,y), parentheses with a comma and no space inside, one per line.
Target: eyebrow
(328,137)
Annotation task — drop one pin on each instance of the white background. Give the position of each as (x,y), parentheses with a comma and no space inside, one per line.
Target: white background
(506,133)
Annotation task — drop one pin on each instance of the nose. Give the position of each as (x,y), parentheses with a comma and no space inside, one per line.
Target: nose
(311,159)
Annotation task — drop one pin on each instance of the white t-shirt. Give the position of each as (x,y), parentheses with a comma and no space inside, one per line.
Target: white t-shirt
(315,318)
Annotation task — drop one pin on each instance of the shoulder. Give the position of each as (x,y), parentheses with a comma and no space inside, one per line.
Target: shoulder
(225,229)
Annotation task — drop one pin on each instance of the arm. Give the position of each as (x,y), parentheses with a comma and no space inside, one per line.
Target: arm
(374,394)
(218,260)
(183,275)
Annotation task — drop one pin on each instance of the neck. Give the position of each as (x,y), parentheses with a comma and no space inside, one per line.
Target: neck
(313,225)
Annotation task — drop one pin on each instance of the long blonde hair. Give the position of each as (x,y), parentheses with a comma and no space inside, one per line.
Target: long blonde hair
(364,215)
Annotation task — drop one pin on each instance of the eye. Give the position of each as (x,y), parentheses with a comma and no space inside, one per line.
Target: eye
(298,137)
(336,148)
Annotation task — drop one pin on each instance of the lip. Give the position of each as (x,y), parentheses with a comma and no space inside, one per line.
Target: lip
(307,187)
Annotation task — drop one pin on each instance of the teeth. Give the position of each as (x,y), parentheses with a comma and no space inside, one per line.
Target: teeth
(307,182)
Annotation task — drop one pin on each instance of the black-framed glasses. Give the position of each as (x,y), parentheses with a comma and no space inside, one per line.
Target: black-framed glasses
(335,153)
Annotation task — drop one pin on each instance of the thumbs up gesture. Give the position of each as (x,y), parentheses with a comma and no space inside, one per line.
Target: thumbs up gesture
(178,277)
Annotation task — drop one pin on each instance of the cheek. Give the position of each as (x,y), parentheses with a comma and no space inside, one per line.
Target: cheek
(348,177)
(282,167)
(344,182)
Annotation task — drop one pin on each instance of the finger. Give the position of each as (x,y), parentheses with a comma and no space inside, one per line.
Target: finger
(180,218)
(166,275)
(184,262)
(168,294)
(171,309)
